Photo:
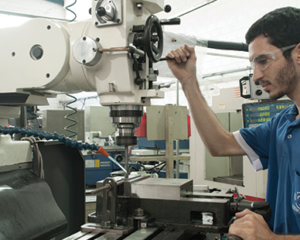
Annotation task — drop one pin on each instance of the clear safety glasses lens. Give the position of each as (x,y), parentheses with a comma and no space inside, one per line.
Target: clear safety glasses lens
(263,61)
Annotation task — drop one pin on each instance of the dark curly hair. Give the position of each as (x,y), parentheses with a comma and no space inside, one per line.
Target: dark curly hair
(281,26)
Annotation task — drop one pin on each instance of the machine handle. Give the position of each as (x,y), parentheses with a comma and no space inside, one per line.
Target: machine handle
(172,21)
(168,58)
(100,189)
(232,237)
(130,48)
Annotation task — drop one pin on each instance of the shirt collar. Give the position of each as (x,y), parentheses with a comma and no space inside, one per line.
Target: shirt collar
(291,113)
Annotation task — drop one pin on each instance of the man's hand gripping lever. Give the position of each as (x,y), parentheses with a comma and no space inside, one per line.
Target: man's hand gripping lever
(183,63)
(245,212)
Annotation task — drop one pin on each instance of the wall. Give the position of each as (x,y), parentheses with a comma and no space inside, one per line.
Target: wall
(222,20)
(32,7)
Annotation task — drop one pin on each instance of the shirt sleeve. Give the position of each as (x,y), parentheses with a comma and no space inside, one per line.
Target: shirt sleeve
(253,157)
(255,142)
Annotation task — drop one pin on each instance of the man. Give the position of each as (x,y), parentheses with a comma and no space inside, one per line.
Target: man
(274,52)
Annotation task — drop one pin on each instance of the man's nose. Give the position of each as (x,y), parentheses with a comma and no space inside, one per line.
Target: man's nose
(257,74)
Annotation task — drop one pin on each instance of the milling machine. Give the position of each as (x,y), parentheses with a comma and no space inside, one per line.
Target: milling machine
(112,54)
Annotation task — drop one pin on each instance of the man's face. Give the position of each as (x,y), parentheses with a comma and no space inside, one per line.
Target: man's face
(279,76)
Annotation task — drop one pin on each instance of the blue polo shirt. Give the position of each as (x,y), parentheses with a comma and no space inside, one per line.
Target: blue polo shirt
(275,145)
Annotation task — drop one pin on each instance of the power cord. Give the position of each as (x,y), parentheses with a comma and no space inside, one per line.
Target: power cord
(68,9)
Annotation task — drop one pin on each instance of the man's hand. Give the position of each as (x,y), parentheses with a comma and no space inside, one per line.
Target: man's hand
(251,226)
(184,65)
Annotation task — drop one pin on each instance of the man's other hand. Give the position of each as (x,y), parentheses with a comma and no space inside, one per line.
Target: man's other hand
(251,226)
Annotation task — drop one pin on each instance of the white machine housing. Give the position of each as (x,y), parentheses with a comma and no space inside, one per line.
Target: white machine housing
(41,56)
(44,57)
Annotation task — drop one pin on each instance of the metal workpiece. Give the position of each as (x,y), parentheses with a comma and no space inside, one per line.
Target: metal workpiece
(162,189)
(208,194)
(128,184)
(201,188)
(85,51)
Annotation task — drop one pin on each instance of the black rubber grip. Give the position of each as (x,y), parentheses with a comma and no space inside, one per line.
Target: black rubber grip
(237,46)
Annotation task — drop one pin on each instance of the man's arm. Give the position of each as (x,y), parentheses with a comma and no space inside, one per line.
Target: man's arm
(252,226)
(217,139)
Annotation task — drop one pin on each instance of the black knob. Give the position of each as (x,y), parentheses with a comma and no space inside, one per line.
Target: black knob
(90,11)
(156,72)
(138,80)
(167,8)
(256,83)
(101,11)
(258,92)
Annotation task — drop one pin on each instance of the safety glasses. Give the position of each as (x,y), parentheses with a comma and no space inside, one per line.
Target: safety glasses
(263,61)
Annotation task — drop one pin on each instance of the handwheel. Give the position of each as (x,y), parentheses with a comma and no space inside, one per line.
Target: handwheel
(153,38)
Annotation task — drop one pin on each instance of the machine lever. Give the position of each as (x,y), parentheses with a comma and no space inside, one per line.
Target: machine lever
(172,21)
(100,189)
(168,58)
(131,48)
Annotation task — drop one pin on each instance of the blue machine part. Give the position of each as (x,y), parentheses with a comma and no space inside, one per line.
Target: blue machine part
(99,167)
(161,144)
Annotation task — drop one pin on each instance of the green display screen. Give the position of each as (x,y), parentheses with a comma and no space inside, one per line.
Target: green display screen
(255,114)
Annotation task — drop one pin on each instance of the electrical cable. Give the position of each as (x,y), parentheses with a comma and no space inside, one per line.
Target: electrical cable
(68,9)
(132,167)
(155,166)
(160,168)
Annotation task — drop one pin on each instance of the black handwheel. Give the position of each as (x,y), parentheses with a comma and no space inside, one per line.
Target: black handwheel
(153,38)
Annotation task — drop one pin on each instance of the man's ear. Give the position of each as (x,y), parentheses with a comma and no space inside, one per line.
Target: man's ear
(297,48)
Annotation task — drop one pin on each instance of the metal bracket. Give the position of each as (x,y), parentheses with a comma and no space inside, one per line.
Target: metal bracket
(114,9)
